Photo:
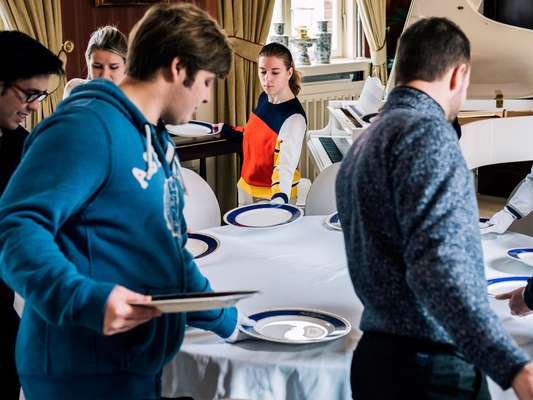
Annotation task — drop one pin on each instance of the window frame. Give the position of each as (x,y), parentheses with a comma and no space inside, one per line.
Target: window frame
(349,30)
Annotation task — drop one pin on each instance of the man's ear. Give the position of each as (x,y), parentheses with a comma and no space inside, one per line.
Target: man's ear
(458,76)
(177,72)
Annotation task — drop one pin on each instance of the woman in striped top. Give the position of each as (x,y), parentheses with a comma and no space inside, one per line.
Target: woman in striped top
(273,136)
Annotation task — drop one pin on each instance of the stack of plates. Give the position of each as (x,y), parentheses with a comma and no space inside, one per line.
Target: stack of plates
(297,326)
(186,302)
(263,215)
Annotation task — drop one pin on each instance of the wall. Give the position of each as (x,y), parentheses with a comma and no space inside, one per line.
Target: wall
(80,18)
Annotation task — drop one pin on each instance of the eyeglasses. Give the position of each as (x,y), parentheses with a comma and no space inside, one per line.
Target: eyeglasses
(31,95)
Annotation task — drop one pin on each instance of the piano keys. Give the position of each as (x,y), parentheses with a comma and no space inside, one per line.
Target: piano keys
(346,122)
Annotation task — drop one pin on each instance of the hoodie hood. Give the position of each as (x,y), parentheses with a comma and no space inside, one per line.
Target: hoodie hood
(107,91)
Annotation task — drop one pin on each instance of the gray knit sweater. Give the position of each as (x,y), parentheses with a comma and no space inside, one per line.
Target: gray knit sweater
(408,210)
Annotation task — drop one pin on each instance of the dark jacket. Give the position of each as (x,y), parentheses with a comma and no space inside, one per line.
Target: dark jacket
(11,143)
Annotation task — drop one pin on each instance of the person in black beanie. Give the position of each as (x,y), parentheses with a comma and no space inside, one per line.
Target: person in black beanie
(24,73)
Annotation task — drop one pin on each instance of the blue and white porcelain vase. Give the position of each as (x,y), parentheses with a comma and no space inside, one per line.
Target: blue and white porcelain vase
(279,36)
(322,43)
(300,44)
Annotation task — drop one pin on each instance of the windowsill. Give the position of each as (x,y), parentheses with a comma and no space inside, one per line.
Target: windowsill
(338,65)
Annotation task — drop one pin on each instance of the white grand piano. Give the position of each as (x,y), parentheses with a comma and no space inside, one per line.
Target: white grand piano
(347,119)
(501,82)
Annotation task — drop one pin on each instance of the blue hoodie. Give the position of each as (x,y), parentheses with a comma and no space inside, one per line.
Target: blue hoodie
(93,205)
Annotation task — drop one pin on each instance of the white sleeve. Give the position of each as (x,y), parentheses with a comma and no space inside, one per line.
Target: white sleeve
(71,85)
(291,137)
(522,200)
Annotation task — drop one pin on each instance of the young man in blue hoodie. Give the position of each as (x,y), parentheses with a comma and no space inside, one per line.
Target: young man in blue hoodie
(92,220)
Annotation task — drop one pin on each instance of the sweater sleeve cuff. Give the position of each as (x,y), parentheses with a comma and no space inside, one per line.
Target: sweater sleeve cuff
(507,381)
(92,309)
(226,323)
(513,212)
(227,132)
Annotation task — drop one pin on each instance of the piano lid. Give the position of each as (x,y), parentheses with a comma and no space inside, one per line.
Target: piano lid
(502,55)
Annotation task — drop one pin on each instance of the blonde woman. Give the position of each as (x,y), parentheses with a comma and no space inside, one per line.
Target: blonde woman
(105,57)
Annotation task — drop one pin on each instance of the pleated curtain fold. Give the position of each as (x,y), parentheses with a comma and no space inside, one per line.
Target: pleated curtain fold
(372,14)
(40,19)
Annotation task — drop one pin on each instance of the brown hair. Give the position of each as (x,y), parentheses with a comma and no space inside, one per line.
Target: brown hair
(278,50)
(178,30)
(107,38)
(429,48)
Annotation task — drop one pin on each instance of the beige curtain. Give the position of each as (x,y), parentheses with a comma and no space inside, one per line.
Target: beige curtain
(5,23)
(247,23)
(40,19)
(373,19)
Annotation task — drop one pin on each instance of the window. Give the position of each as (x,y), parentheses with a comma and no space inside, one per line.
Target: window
(347,39)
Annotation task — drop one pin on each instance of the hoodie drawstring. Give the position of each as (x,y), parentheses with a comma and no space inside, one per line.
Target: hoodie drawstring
(150,167)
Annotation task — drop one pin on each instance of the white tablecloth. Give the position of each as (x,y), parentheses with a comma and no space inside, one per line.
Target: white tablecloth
(299,265)
(497,264)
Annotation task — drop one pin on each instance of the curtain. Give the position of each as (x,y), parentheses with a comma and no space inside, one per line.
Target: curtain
(5,23)
(40,19)
(372,14)
(247,23)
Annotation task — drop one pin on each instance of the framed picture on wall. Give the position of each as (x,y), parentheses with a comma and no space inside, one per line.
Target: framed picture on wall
(106,3)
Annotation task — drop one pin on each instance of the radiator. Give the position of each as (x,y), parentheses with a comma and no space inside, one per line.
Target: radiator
(315,98)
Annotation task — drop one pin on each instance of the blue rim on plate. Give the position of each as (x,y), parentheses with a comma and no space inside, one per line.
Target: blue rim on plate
(333,221)
(507,279)
(515,254)
(202,123)
(211,242)
(231,216)
(341,325)
(495,281)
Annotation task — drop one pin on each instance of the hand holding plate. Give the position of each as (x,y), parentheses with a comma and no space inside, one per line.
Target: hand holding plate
(121,316)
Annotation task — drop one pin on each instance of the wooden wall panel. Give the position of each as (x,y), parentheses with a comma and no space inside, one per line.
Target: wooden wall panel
(80,18)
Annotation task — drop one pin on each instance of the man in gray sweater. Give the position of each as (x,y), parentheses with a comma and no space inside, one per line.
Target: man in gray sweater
(408,210)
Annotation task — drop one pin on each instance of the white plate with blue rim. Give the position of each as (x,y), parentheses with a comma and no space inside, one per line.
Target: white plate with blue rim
(297,326)
(191,129)
(263,215)
(201,244)
(333,222)
(524,254)
(505,284)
